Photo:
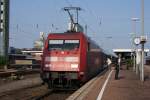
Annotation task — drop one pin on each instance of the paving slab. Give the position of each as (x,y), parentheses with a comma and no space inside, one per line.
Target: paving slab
(127,87)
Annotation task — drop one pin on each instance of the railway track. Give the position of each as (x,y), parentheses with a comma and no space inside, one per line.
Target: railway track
(9,72)
(42,96)
(38,92)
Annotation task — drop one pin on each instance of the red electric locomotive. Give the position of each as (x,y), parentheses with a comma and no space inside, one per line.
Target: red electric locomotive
(70,58)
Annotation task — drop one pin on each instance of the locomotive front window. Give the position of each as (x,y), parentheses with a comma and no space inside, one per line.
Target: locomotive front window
(63,44)
(55,44)
(56,41)
(71,44)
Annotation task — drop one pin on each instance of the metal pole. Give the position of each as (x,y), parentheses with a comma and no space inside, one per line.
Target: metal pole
(85,29)
(133,36)
(134,19)
(135,66)
(142,63)
(6,26)
(1,28)
(77,16)
(136,61)
(142,47)
(1,46)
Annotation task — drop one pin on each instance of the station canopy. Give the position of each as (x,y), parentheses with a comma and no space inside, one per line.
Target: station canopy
(126,53)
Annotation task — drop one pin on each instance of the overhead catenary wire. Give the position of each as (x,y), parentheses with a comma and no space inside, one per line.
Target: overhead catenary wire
(99,18)
(91,13)
(88,26)
(28,34)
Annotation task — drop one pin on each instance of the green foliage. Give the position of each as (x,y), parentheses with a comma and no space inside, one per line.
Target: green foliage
(2,61)
(129,63)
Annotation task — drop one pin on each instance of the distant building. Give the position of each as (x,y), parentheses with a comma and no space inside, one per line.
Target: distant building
(13,50)
(39,43)
(35,54)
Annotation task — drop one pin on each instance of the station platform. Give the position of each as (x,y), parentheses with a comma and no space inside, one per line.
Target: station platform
(127,87)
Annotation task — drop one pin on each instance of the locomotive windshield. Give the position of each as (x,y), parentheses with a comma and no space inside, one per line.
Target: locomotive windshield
(63,44)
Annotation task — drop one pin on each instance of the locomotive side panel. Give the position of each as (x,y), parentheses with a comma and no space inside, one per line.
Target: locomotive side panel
(83,60)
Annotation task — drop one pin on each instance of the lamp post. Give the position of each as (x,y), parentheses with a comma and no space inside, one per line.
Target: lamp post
(143,40)
(133,37)
(134,19)
(137,60)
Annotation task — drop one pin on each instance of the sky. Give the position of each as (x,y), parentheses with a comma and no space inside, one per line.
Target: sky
(109,21)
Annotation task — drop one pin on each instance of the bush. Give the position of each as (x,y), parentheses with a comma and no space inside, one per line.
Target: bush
(129,63)
(2,61)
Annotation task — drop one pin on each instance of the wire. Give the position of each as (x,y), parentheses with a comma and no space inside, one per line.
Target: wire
(92,13)
(27,34)
(90,28)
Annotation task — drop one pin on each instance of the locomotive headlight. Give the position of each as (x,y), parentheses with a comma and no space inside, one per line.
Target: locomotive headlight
(72,59)
(48,65)
(74,65)
(51,59)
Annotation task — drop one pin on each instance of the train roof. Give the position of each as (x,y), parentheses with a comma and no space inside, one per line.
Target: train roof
(73,35)
(67,33)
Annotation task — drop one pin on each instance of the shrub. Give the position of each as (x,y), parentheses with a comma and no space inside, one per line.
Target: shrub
(2,61)
(129,63)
